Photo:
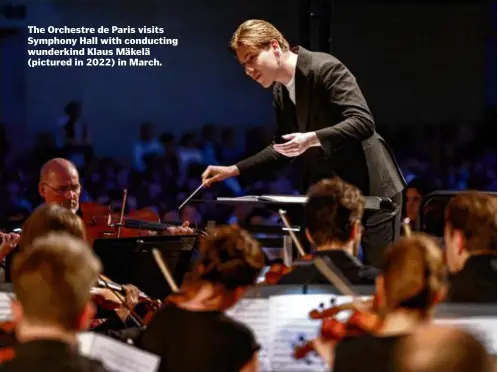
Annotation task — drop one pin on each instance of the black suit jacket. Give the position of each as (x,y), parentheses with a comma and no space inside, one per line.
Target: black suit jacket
(476,282)
(330,103)
(350,267)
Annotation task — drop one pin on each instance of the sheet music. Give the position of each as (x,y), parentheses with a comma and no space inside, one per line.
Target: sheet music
(484,328)
(255,314)
(289,320)
(6,306)
(285,199)
(116,355)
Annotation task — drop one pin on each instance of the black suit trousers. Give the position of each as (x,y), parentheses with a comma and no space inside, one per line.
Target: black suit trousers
(380,229)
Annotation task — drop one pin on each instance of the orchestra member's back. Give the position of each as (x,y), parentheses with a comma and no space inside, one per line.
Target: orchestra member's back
(442,348)
(412,283)
(192,333)
(50,218)
(333,215)
(52,280)
(470,239)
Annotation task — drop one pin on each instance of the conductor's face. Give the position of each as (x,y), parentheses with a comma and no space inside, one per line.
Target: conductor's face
(261,65)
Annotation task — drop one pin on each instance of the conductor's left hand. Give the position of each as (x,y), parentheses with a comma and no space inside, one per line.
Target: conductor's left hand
(297,143)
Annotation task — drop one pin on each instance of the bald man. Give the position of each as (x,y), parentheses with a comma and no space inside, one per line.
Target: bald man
(437,348)
(60,184)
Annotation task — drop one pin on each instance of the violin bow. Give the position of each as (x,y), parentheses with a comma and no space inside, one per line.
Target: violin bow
(123,206)
(334,276)
(133,315)
(164,269)
(406,227)
(300,249)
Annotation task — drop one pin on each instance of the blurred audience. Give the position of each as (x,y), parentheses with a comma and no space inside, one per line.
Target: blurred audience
(164,170)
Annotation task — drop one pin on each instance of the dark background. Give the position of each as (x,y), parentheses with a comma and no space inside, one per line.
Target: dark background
(417,62)
(426,68)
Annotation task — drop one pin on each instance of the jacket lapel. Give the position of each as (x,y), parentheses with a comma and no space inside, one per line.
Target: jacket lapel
(304,82)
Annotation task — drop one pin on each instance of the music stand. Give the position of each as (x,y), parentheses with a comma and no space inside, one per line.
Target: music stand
(372,203)
(130,260)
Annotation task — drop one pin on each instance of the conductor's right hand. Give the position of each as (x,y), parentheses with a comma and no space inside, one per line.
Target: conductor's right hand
(217,173)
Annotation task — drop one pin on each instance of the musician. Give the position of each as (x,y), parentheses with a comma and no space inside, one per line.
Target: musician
(52,280)
(191,333)
(470,240)
(333,214)
(323,116)
(50,218)
(441,348)
(60,184)
(414,192)
(412,283)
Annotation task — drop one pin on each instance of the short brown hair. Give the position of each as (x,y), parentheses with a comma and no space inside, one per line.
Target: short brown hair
(257,34)
(48,218)
(414,272)
(230,256)
(474,214)
(332,207)
(52,279)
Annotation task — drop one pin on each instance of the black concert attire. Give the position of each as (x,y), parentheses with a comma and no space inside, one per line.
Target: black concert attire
(198,341)
(365,354)
(353,270)
(476,282)
(330,103)
(50,355)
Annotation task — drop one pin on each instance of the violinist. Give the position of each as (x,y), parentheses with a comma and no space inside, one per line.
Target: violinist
(192,333)
(49,218)
(52,280)
(60,184)
(470,240)
(412,283)
(333,214)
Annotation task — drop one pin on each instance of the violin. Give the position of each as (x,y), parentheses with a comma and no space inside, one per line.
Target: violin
(101,222)
(279,269)
(111,296)
(113,299)
(7,340)
(365,319)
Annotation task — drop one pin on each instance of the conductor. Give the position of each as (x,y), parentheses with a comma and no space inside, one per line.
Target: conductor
(323,118)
